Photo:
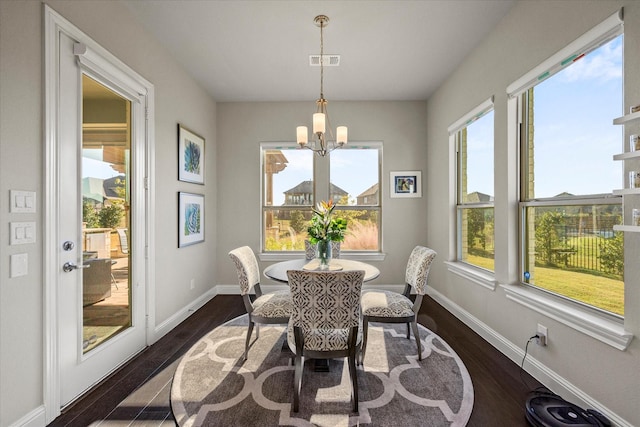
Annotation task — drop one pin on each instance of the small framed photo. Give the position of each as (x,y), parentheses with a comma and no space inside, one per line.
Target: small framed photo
(405,184)
(190,219)
(190,156)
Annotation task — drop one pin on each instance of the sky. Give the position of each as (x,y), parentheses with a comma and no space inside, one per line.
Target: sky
(93,166)
(575,138)
(352,170)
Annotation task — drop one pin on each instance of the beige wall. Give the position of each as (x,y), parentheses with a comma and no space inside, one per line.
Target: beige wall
(401,126)
(528,35)
(177,100)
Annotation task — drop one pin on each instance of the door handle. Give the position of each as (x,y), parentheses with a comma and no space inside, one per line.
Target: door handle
(67,267)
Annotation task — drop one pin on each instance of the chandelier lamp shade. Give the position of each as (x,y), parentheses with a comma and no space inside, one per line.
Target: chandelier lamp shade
(322,142)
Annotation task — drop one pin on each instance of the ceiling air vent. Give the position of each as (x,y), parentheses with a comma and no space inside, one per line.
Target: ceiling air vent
(328,60)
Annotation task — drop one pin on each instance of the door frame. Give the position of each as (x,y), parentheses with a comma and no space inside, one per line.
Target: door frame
(54,25)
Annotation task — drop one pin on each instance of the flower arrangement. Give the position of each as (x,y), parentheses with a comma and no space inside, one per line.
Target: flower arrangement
(323,226)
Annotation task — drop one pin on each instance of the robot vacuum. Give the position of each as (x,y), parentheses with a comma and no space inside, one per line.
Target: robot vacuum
(550,410)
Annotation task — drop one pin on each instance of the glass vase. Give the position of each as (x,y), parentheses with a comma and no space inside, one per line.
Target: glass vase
(323,253)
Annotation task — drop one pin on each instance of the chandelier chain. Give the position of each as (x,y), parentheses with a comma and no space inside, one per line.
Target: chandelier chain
(321,60)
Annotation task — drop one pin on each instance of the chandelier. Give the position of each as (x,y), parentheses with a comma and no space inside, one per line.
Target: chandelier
(320,143)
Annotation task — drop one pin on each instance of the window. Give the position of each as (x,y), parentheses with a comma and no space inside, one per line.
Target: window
(568,211)
(357,170)
(473,139)
(294,180)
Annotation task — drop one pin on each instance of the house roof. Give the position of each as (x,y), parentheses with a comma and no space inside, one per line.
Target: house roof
(370,191)
(477,196)
(306,187)
(111,184)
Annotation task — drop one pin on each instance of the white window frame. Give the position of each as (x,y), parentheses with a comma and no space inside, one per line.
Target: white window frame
(475,274)
(603,327)
(321,173)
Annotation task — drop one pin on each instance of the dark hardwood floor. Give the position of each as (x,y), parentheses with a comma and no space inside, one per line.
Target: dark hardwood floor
(138,394)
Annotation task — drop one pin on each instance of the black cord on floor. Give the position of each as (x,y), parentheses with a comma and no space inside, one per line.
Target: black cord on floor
(526,348)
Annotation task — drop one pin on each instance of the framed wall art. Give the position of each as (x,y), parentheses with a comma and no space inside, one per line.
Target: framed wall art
(190,219)
(405,184)
(190,156)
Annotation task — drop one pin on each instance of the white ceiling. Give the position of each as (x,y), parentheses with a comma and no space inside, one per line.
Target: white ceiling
(258,50)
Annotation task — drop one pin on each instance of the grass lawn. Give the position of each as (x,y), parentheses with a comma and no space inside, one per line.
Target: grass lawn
(598,291)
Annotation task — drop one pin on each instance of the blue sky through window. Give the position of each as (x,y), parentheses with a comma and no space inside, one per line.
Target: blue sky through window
(575,139)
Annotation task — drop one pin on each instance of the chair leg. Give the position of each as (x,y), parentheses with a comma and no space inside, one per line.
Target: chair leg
(297,381)
(408,332)
(354,380)
(414,325)
(248,340)
(365,332)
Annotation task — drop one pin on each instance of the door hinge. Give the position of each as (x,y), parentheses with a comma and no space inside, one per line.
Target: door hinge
(146,182)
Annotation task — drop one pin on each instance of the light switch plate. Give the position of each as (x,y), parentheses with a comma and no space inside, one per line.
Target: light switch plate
(19,265)
(22,201)
(22,233)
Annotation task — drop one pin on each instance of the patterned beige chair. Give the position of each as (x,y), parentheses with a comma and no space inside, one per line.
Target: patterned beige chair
(310,250)
(325,321)
(269,308)
(392,307)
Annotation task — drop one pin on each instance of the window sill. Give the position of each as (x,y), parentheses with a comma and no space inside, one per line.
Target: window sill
(286,256)
(608,331)
(480,277)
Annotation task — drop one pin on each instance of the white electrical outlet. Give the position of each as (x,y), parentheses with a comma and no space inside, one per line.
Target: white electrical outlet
(542,335)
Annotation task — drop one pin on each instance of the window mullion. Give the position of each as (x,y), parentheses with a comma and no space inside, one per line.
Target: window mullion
(321,178)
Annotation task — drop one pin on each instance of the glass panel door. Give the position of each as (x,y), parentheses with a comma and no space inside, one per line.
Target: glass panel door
(106,219)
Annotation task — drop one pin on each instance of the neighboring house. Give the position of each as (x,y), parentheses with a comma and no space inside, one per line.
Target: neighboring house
(478,197)
(93,190)
(114,188)
(370,196)
(302,194)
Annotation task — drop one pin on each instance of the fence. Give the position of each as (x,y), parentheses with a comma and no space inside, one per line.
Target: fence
(579,246)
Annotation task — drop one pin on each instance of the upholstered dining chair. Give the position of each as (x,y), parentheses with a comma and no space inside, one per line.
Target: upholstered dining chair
(325,321)
(268,308)
(310,250)
(392,307)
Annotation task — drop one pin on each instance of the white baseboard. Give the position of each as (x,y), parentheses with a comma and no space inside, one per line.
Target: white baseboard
(538,370)
(173,321)
(35,418)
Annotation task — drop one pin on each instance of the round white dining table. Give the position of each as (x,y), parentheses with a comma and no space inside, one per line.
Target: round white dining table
(278,271)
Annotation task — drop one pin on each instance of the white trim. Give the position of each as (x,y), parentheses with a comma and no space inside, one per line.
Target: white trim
(136,87)
(181,315)
(605,330)
(548,67)
(480,277)
(471,116)
(537,369)
(51,372)
(453,197)
(90,60)
(35,418)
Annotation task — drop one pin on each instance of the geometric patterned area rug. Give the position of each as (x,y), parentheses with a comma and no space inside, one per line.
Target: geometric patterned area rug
(212,386)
